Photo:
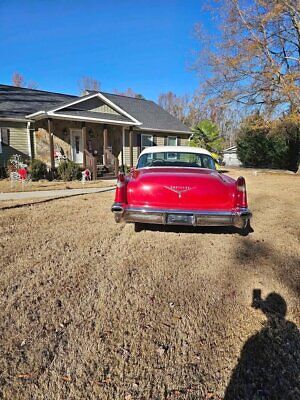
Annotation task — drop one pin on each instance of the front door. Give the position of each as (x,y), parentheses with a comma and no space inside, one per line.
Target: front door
(77,146)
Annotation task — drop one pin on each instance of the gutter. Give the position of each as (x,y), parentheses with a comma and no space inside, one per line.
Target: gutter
(163,130)
(15,119)
(51,114)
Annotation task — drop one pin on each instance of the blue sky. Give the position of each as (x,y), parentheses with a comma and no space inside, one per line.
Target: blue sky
(146,45)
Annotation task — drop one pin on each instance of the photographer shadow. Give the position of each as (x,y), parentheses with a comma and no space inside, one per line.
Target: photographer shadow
(269,365)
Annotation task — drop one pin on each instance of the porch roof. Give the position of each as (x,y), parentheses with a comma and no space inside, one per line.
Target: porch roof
(88,116)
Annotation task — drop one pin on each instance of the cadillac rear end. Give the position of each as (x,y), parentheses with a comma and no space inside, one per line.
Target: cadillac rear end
(169,189)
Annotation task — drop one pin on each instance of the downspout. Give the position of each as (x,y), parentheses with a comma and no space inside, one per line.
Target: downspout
(29,140)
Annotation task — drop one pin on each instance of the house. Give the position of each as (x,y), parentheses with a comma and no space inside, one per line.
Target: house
(230,157)
(95,129)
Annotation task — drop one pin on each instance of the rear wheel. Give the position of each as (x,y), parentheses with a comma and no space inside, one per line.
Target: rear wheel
(246,229)
(138,227)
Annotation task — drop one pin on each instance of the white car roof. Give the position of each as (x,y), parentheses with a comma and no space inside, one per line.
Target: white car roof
(172,149)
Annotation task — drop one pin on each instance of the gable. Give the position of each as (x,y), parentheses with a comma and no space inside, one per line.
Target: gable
(94,104)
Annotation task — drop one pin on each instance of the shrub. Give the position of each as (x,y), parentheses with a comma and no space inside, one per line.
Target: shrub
(257,147)
(288,128)
(52,174)
(253,149)
(38,170)
(68,171)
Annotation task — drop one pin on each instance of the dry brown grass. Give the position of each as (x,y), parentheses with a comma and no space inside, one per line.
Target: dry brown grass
(7,187)
(92,310)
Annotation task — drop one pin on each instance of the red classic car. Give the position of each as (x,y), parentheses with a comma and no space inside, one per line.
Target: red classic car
(180,186)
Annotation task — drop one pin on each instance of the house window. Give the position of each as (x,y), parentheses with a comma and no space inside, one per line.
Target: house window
(4,136)
(146,141)
(172,141)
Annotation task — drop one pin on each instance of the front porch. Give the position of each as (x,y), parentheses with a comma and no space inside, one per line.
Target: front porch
(101,131)
(96,146)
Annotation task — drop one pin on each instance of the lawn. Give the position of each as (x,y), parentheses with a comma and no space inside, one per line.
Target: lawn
(92,310)
(7,186)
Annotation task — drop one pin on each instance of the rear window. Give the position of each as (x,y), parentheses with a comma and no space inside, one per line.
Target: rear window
(176,159)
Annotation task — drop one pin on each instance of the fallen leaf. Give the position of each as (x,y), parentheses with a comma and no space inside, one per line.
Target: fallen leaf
(67,378)
(24,376)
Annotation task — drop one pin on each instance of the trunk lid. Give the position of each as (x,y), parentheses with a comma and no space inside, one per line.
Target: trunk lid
(181,188)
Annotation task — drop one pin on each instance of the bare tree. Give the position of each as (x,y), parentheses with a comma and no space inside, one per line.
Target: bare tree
(193,109)
(18,79)
(32,85)
(256,62)
(129,93)
(178,106)
(87,83)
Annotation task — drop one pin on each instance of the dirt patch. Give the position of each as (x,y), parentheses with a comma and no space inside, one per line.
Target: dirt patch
(92,310)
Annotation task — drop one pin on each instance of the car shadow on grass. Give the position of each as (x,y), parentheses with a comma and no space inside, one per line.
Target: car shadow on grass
(215,230)
(269,363)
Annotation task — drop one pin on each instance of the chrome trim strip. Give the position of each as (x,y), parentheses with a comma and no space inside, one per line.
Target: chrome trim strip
(177,211)
(238,218)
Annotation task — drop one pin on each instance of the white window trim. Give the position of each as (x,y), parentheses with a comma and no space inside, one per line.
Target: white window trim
(172,137)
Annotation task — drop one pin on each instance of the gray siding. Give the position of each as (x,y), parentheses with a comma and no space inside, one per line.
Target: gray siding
(94,104)
(159,140)
(18,141)
(104,108)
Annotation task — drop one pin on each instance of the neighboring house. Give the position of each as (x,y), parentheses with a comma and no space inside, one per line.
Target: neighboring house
(230,157)
(98,128)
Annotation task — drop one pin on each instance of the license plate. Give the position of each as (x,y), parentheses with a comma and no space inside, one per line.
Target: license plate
(182,219)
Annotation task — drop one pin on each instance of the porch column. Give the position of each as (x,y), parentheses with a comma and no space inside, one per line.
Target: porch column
(131,146)
(123,149)
(51,144)
(83,132)
(105,145)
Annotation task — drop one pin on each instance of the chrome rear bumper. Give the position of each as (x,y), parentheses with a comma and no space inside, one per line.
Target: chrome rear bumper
(238,218)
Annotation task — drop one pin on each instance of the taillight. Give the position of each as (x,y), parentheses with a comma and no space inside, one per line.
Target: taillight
(241,194)
(121,189)
(121,180)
